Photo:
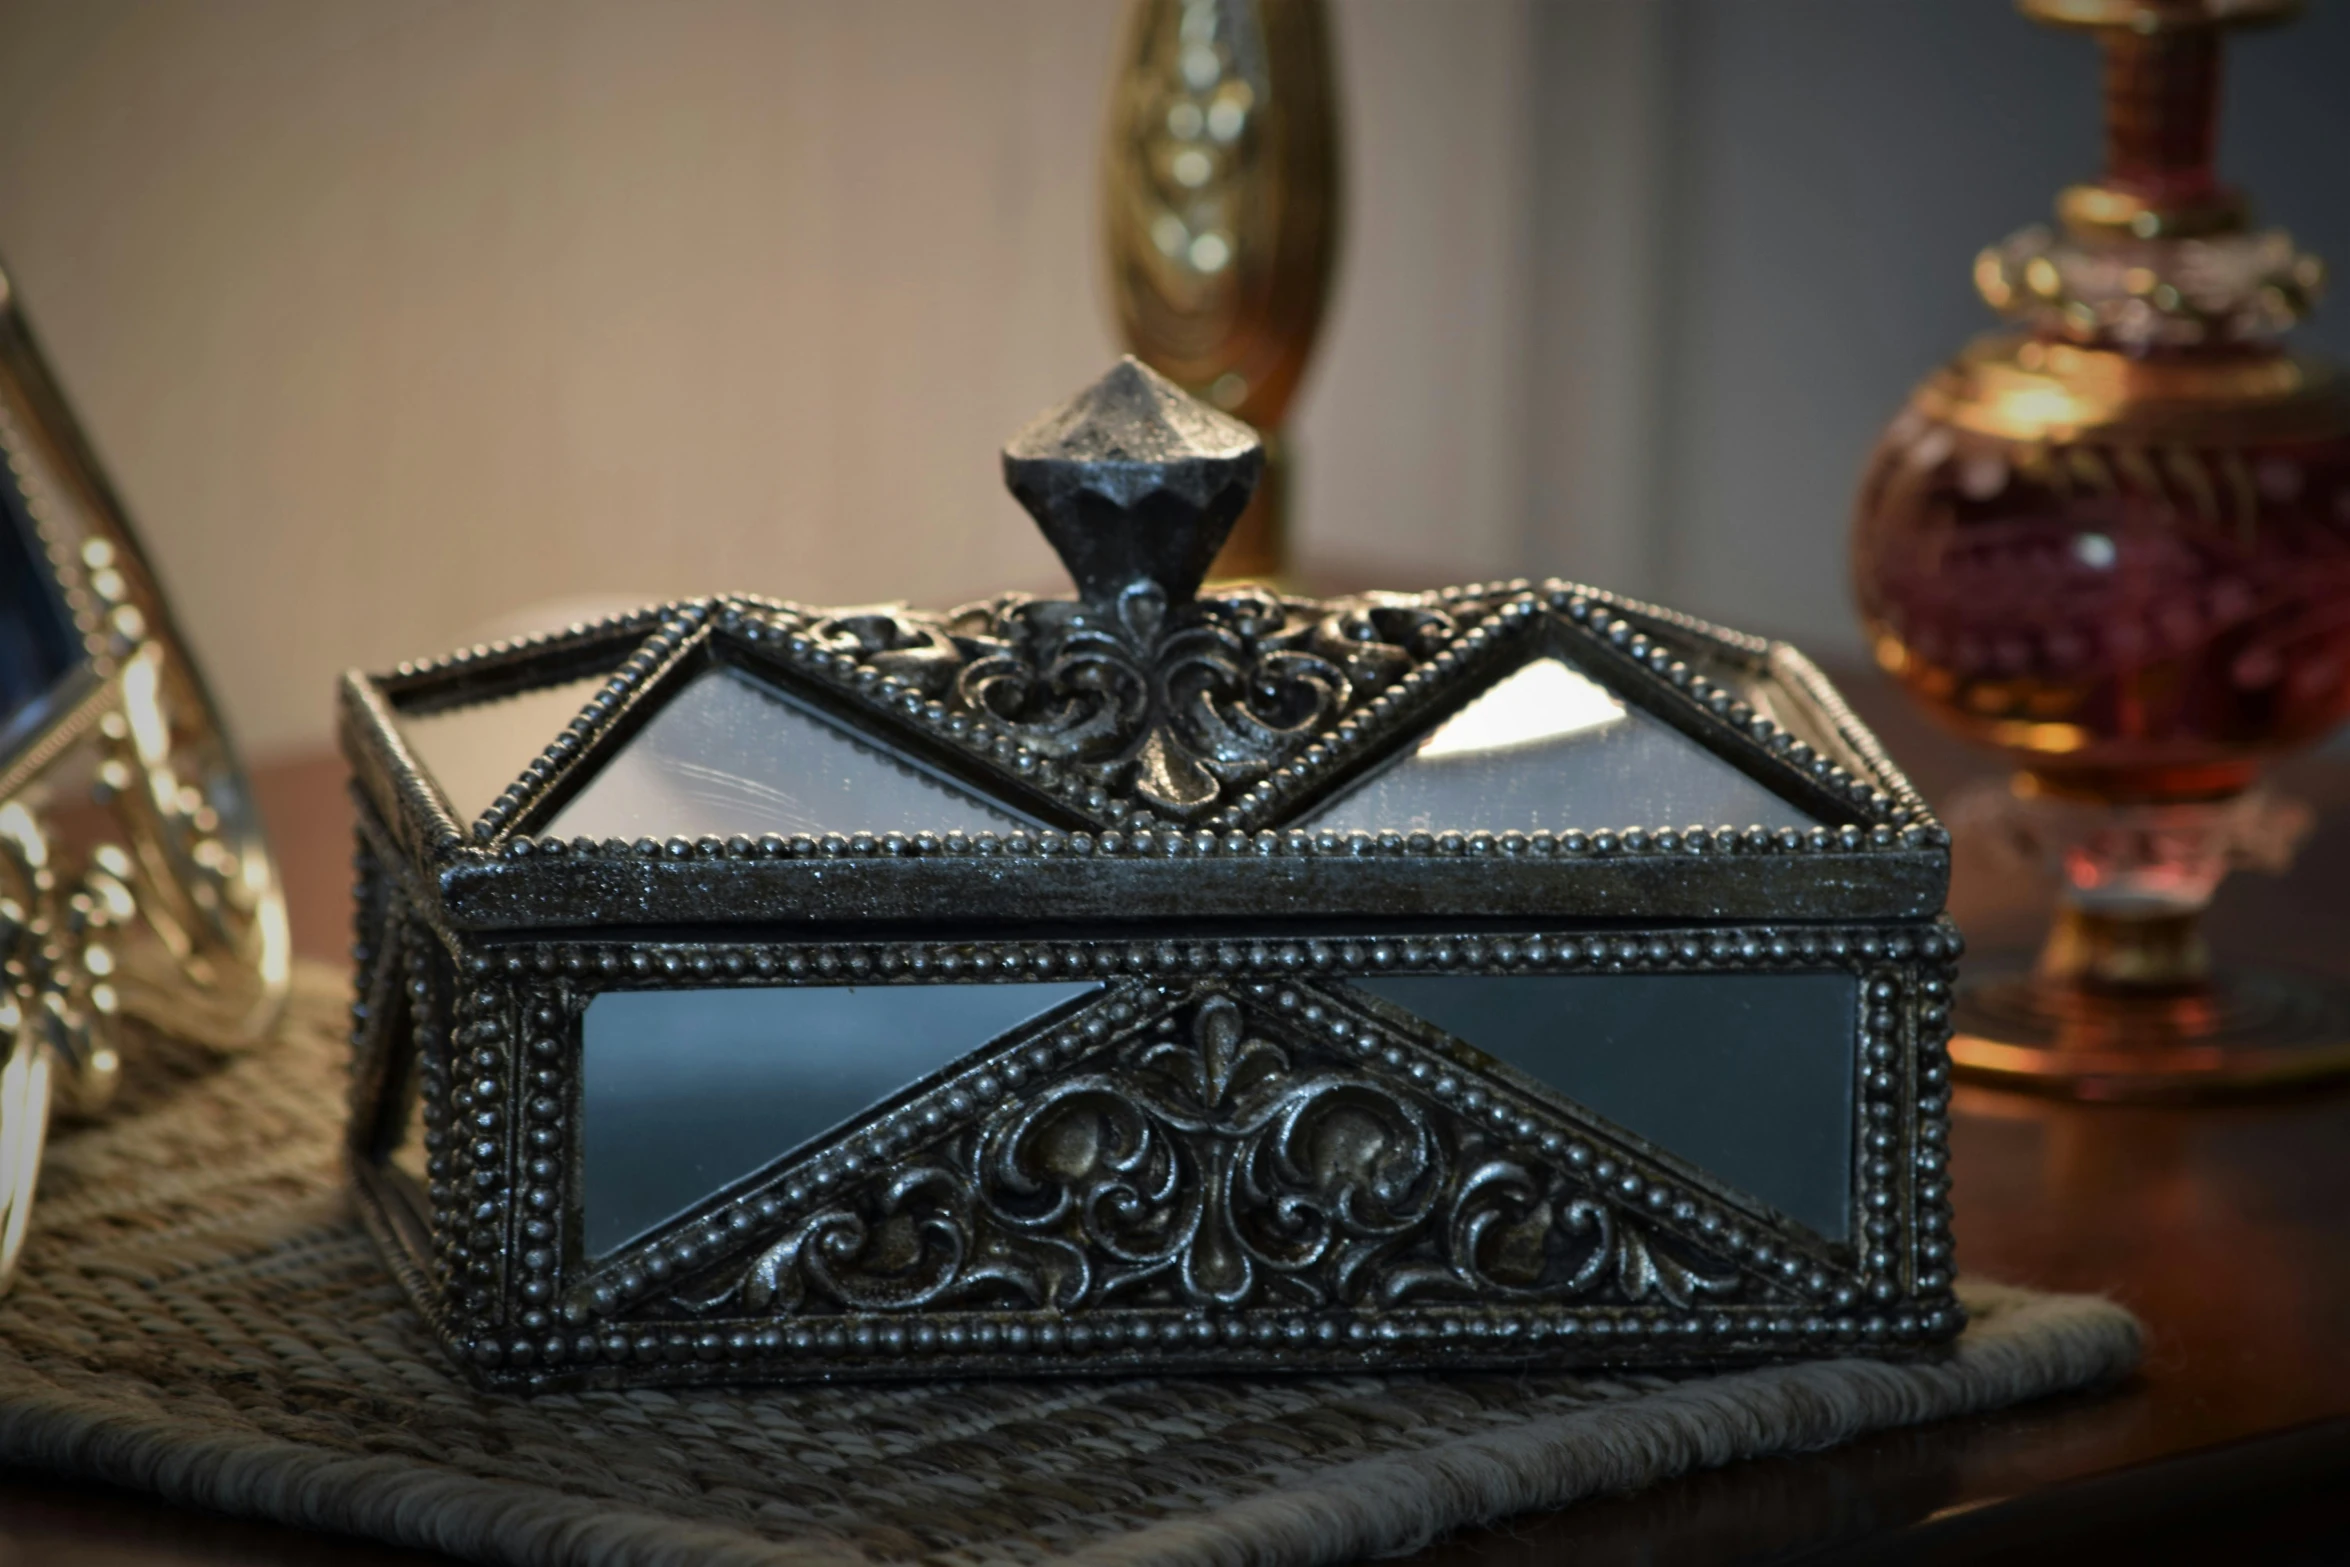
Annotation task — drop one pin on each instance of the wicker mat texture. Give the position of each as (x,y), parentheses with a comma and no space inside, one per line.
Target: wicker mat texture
(199,1316)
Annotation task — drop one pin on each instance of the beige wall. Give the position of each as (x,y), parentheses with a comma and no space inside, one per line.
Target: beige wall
(391,316)
(395,315)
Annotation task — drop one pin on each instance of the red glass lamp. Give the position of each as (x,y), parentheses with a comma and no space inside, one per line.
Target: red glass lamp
(2114,543)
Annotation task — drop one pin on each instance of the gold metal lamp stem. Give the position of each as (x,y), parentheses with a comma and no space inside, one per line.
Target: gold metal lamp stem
(1221,214)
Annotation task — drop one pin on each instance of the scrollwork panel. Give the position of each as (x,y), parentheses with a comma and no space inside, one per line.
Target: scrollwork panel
(1177,706)
(1217,1158)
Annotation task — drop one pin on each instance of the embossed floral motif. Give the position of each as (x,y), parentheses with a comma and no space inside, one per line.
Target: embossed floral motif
(1200,1163)
(1176,706)
(912,1248)
(1216,1172)
(1518,1232)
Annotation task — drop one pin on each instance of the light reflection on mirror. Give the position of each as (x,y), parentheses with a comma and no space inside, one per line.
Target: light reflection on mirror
(1543,701)
(1547,748)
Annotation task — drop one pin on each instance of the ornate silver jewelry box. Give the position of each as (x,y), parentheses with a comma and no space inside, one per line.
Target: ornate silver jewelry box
(1505,975)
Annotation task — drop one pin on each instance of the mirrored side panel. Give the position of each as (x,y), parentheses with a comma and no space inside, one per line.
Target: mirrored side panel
(408,1153)
(1750,1077)
(729,754)
(399,1088)
(684,1092)
(1547,748)
(39,645)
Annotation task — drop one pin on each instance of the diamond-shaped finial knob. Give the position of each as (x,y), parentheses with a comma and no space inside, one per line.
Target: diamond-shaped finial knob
(1133,480)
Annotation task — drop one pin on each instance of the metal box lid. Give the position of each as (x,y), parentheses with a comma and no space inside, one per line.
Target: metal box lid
(1144,752)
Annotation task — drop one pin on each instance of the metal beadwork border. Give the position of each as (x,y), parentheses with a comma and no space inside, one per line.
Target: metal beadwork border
(525,1311)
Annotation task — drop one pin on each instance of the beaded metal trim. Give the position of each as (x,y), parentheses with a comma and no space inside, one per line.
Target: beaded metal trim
(770,1278)
(1759,705)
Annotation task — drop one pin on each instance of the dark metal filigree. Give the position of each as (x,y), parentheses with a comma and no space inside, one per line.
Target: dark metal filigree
(1178,706)
(1156,693)
(1204,1164)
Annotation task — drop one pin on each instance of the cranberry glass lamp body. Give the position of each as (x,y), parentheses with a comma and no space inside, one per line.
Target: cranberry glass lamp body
(2116,545)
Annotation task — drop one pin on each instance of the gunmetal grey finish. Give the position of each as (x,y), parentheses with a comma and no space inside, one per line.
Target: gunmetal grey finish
(1748,1076)
(684,1092)
(1135,483)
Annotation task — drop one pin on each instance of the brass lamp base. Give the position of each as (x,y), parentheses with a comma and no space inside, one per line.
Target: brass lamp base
(1257,549)
(2130,1009)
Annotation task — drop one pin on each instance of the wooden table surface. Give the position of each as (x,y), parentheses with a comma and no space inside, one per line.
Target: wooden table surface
(2222,1227)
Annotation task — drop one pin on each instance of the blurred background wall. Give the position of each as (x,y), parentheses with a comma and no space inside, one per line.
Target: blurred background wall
(392,317)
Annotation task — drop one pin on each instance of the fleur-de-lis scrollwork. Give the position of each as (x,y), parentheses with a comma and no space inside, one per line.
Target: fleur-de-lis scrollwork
(912,1249)
(1180,707)
(894,642)
(1205,1164)
(1214,1170)
(1519,1233)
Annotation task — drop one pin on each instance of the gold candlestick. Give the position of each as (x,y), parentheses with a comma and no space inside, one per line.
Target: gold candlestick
(1221,217)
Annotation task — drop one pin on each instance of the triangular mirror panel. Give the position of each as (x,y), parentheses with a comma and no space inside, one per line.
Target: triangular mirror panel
(408,1154)
(1718,1069)
(1547,748)
(474,752)
(728,754)
(684,1092)
(39,646)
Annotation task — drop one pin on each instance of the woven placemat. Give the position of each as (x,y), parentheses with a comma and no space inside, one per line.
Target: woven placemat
(200,1316)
